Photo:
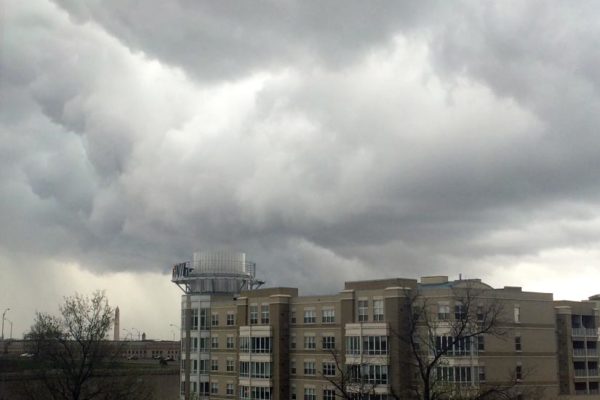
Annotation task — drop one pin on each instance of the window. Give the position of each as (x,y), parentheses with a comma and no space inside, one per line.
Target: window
(518,343)
(255,369)
(480,313)
(309,343)
(203,365)
(293,367)
(230,319)
(481,343)
(519,373)
(363,310)
(374,345)
(255,344)
(443,311)
(244,344)
(253,314)
(204,319)
(260,369)
(328,342)
(454,374)
(310,394)
(214,342)
(353,345)
(309,368)
(310,317)
(264,314)
(195,344)
(214,387)
(194,366)
(371,345)
(244,368)
(230,342)
(378,374)
(328,394)
(214,365)
(214,319)
(368,373)
(293,392)
(253,392)
(195,319)
(328,316)
(229,389)
(328,368)
(293,316)
(517,313)
(453,346)
(230,366)
(378,310)
(203,344)
(481,373)
(459,312)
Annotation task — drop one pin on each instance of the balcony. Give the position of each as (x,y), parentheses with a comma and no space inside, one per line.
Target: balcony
(580,372)
(579,352)
(585,332)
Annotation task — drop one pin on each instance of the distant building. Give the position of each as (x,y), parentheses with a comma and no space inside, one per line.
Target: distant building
(242,342)
(150,349)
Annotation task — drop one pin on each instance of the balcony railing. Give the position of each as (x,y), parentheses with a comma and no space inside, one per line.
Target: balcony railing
(585,332)
(580,372)
(579,352)
(585,352)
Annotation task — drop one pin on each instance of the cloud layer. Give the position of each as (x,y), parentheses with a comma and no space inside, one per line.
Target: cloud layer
(337,141)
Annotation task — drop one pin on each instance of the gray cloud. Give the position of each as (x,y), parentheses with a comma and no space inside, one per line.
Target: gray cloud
(224,40)
(346,142)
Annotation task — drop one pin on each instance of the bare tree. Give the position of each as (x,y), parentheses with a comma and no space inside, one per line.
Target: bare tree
(350,380)
(73,359)
(426,340)
(437,333)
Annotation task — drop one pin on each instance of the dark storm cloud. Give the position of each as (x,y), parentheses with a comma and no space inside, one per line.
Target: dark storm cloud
(223,40)
(348,140)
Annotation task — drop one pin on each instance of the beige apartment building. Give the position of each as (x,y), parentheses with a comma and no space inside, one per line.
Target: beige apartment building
(578,357)
(240,341)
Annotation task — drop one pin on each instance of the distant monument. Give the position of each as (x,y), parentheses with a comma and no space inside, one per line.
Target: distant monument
(116,332)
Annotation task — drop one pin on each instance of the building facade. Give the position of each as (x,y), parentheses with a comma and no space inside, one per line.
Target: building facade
(578,357)
(272,343)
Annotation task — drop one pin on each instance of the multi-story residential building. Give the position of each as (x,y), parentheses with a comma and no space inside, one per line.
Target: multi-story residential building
(242,342)
(577,326)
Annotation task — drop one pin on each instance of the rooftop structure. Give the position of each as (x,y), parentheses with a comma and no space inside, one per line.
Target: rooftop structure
(216,272)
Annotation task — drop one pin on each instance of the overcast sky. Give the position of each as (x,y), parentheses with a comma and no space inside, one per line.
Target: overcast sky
(329,140)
